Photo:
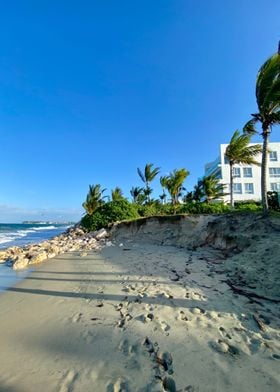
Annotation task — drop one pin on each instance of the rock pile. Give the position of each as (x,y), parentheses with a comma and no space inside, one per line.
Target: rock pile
(75,239)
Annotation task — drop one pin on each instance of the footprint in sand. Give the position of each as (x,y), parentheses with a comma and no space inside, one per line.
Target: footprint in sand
(145,318)
(198,311)
(224,333)
(68,381)
(197,296)
(164,326)
(183,317)
(128,349)
(77,317)
(223,347)
(121,385)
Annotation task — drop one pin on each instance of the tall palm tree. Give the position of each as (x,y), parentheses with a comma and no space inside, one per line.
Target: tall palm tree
(239,152)
(116,194)
(149,174)
(174,184)
(163,182)
(94,198)
(268,101)
(211,188)
(137,194)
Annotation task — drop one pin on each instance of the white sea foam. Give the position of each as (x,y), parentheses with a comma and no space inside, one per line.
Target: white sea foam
(4,239)
(24,236)
(44,228)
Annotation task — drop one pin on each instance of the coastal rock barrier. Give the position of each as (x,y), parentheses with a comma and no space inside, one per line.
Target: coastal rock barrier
(75,239)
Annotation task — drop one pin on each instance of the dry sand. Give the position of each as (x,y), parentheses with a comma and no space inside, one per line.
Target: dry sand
(136,318)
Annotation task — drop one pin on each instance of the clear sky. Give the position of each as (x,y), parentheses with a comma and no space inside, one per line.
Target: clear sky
(91,90)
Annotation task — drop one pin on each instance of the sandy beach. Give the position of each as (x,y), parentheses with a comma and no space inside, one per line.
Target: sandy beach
(136,317)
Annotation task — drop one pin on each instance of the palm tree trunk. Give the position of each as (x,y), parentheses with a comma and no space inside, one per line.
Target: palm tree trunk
(147,190)
(265,135)
(231,186)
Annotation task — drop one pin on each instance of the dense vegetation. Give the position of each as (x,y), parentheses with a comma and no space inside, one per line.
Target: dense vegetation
(110,212)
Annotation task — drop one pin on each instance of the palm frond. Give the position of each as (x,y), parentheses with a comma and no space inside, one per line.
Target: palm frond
(267,76)
(272,99)
(141,175)
(275,118)
(150,172)
(249,128)
(238,150)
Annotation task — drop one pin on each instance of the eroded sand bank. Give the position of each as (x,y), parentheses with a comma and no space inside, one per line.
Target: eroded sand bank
(136,318)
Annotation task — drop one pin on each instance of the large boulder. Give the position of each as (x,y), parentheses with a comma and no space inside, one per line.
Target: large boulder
(20,262)
(100,234)
(3,256)
(38,257)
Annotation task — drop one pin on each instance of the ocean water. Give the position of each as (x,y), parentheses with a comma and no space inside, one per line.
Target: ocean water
(17,234)
(12,234)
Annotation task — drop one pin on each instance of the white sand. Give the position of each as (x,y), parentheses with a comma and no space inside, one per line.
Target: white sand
(79,324)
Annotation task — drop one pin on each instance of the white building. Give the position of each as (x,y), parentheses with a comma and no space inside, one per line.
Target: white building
(247,178)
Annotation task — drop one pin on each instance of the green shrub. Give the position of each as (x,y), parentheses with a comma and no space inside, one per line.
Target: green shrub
(248,206)
(204,208)
(110,212)
(272,199)
(153,209)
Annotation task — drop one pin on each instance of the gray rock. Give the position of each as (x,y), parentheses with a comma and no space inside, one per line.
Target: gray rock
(100,234)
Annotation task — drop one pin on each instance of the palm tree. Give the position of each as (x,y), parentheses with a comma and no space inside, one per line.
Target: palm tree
(94,198)
(268,101)
(163,182)
(238,152)
(174,184)
(116,194)
(211,188)
(149,174)
(137,194)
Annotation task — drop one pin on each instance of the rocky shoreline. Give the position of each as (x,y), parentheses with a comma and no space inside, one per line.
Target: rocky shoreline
(75,239)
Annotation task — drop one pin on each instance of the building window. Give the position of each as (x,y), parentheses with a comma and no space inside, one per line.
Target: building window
(237,188)
(274,171)
(236,172)
(249,188)
(275,186)
(273,156)
(226,160)
(247,172)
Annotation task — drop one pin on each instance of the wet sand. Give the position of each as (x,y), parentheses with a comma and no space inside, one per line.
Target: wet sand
(136,318)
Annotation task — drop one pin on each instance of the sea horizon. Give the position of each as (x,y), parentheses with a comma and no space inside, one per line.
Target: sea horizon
(21,234)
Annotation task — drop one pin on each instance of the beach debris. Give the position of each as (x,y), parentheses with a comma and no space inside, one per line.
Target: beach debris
(121,323)
(169,384)
(165,360)
(249,294)
(260,323)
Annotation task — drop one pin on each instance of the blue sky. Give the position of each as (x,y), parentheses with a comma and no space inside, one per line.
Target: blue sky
(91,90)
